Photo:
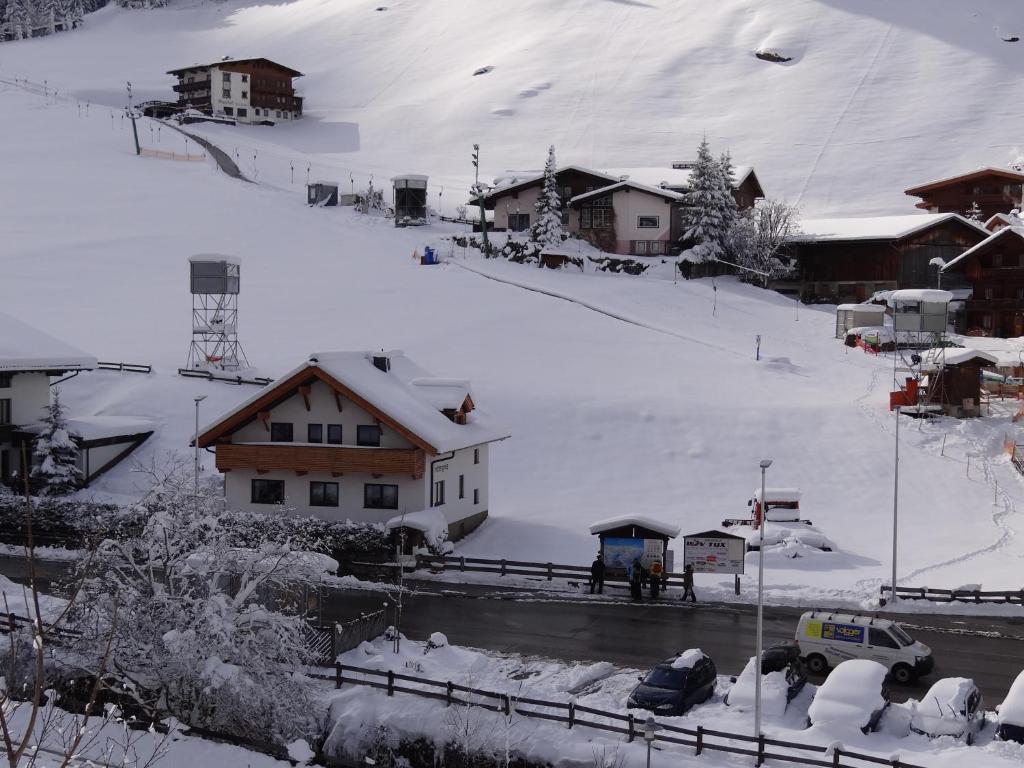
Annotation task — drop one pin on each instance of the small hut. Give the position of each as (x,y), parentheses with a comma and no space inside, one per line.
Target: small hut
(634,537)
(410,199)
(554,257)
(858,316)
(954,380)
(920,310)
(320,193)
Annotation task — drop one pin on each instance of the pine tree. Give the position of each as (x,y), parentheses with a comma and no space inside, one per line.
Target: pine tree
(705,212)
(974,212)
(55,459)
(547,231)
(19,16)
(730,211)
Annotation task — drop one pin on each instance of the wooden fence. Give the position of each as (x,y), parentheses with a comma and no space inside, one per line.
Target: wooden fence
(574,715)
(125,367)
(164,155)
(1013,597)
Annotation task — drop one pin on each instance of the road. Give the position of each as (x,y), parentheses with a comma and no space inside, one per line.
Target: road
(988,649)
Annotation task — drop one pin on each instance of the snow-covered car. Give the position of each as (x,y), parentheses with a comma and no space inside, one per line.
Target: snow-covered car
(856,693)
(676,685)
(952,707)
(1011,713)
(784,676)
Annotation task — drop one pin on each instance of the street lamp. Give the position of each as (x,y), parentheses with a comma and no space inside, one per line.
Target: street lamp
(195,487)
(651,729)
(765,463)
(895,504)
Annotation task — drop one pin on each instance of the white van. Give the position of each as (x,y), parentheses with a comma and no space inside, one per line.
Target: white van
(827,639)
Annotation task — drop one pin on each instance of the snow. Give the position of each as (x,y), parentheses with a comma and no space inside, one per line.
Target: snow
(437,640)
(17,599)
(928,295)
(941,710)
(660,192)
(431,522)
(871,228)
(642,521)
(850,694)
(957,356)
(777,494)
(774,690)
(688,658)
(677,179)
(25,348)
(98,427)
(1011,711)
(204,258)
(862,307)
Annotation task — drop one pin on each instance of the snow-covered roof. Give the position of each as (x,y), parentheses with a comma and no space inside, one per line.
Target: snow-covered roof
(429,521)
(229,60)
(1011,711)
(777,494)
(399,393)
(670,178)
(410,177)
(957,356)
(202,258)
(863,307)
(100,427)
(641,521)
(1006,172)
(850,694)
(1016,230)
(516,178)
(323,183)
(651,190)
(927,295)
(1000,218)
(24,348)
(872,227)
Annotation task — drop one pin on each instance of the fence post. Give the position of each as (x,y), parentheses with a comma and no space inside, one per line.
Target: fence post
(760,749)
(337,674)
(391,683)
(506,702)
(572,714)
(632,729)
(836,755)
(448,694)
(700,739)
(896,762)
(462,563)
(549,571)
(502,566)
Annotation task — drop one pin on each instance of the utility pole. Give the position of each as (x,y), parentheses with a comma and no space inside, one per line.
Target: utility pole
(195,478)
(478,191)
(133,116)
(762,508)
(895,503)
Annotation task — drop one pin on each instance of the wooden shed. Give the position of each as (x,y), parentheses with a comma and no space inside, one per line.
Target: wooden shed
(320,193)
(630,537)
(954,380)
(858,316)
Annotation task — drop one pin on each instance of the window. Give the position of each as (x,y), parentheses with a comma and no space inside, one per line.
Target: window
(518,222)
(438,493)
(5,381)
(268,491)
(648,222)
(640,247)
(226,93)
(334,434)
(242,111)
(245,94)
(323,494)
(278,113)
(280,432)
(986,322)
(462,486)
(989,293)
(245,78)
(476,495)
(879,638)
(566,195)
(997,260)
(657,246)
(315,433)
(476,455)
(226,77)
(5,410)
(229,111)
(377,496)
(597,214)
(1020,293)
(367,435)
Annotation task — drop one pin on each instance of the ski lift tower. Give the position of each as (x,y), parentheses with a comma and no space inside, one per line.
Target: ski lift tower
(214,284)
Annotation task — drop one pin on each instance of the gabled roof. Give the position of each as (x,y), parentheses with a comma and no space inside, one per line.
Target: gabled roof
(930,186)
(875,227)
(1004,233)
(513,181)
(676,179)
(666,194)
(640,521)
(405,398)
(1000,220)
(24,348)
(288,70)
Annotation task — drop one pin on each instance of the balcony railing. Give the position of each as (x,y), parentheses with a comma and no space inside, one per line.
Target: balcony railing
(195,85)
(336,459)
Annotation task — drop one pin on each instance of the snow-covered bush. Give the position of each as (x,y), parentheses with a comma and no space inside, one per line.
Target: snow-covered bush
(65,522)
(55,458)
(710,208)
(192,635)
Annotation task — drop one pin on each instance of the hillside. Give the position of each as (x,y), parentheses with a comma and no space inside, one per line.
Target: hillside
(627,394)
(877,95)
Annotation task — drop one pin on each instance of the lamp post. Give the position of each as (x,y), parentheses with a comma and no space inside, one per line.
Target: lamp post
(651,729)
(195,484)
(765,463)
(895,503)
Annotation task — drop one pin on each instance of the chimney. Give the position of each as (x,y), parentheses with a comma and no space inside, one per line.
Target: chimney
(382,363)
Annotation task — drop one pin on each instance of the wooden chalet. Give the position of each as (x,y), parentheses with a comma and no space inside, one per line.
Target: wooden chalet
(994,269)
(848,260)
(245,90)
(995,190)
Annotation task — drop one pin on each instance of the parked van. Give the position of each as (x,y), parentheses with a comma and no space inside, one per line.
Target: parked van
(827,639)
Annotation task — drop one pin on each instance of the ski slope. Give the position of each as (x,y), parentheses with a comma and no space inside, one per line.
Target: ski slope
(877,96)
(622,394)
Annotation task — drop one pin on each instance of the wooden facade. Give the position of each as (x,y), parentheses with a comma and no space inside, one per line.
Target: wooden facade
(336,459)
(995,272)
(844,270)
(256,90)
(995,190)
(957,388)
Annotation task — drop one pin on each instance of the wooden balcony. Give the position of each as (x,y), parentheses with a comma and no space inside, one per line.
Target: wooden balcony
(336,459)
(196,85)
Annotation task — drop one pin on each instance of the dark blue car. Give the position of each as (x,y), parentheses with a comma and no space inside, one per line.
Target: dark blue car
(676,684)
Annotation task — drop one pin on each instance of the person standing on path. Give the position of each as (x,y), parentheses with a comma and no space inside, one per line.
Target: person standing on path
(597,574)
(688,584)
(636,580)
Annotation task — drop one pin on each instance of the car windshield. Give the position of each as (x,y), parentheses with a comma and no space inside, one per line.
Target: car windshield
(903,638)
(666,677)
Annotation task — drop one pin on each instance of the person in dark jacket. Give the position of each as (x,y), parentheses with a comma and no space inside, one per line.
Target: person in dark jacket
(688,584)
(636,580)
(597,574)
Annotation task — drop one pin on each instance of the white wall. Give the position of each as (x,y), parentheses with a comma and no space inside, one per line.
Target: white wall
(449,467)
(629,205)
(524,203)
(29,394)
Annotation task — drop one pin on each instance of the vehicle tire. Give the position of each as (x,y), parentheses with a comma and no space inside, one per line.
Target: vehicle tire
(902,674)
(817,664)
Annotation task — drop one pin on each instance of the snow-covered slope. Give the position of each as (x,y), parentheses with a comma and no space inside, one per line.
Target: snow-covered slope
(625,395)
(877,96)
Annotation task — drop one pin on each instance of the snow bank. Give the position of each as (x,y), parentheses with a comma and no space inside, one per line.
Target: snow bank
(1011,711)
(941,710)
(774,691)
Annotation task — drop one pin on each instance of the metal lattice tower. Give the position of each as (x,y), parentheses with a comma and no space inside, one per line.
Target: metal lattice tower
(214,284)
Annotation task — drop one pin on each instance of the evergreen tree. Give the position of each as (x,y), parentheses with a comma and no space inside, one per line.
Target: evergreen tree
(19,16)
(730,211)
(704,217)
(55,459)
(547,230)
(974,212)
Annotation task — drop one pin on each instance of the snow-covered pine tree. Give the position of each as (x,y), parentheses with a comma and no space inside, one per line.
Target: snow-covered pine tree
(703,217)
(46,15)
(547,230)
(19,16)
(974,212)
(55,459)
(726,175)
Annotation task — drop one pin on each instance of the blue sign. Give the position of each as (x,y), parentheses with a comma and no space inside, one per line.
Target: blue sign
(620,553)
(846,633)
